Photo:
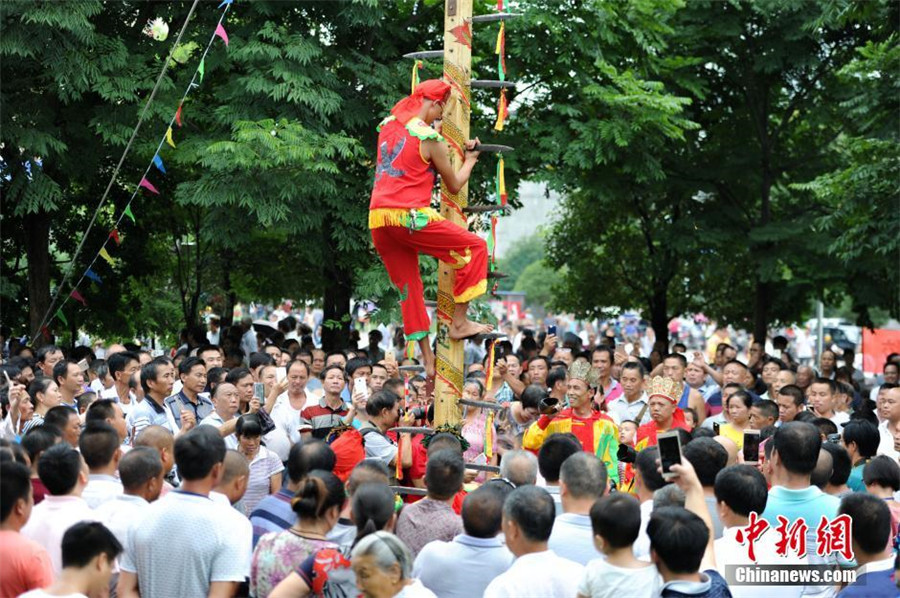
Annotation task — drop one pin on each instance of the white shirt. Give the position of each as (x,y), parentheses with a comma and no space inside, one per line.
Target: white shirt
(192,536)
(641,546)
(730,552)
(101,488)
(839,418)
(49,521)
(214,419)
(541,574)
(602,580)
(573,538)
(483,559)
(112,393)
(121,514)
(248,343)
(620,409)
(415,590)
(886,443)
(44,594)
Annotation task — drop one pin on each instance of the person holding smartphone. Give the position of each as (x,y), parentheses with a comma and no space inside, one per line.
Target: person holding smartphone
(663,395)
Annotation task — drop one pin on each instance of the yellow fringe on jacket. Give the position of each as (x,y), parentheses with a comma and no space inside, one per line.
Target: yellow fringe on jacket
(381,217)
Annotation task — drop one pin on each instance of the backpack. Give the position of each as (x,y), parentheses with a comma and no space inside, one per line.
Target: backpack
(349,449)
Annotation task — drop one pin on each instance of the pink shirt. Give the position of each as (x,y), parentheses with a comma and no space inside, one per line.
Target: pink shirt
(24,564)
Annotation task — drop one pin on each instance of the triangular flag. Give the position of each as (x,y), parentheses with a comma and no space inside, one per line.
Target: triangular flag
(178,115)
(62,317)
(105,255)
(77,297)
(148,185)
(225,2)
(45,332)
(114,235)
(93,276)
(220,31)
(169,137)
(157,161)
(202,68)
(128,213)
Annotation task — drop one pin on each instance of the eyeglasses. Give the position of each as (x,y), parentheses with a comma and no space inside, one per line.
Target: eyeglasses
(506,481)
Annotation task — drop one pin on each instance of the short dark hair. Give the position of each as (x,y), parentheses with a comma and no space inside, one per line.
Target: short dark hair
(743,395)
(383,399)
(357,363)
(237,374)
(768,408)
(248,426)
(871,521)
(16,485)
(138,466)
(295,362)
(58,416)
(189,363)
(585,475)
(708,458)
(86,540)
(832,387)
(617,519)
(307,456)
(444,440)
(117,362)
(39,439)
(795,392)
(367,471)
(100,410)
(333,366)
(533,395)
(840,463)
(61,369)
(864,434)
(555,375)
(798,445)
(372,507)
(482,512)
(444,473)
(59,468)
(150,371)
(99,442)
(882,471)
(46,350)
(645,463)
(825,425)
(677,356)
(198,451)
(805,416)
(701,432)
(635,365)
(555,450)
(258,359)
(678,537)
(532,509)
(743,488)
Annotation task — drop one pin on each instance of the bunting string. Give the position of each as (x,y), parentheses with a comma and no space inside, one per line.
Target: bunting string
(156,162)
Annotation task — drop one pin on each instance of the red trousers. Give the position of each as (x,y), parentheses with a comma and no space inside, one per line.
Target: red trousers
(453,245)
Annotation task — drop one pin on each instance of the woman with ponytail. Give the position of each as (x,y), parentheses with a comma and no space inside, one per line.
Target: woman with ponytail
(317,503)
(328,571)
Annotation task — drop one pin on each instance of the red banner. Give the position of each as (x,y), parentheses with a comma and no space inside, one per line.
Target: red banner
(876,346)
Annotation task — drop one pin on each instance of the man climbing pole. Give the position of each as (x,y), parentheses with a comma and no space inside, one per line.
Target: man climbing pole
(403,223)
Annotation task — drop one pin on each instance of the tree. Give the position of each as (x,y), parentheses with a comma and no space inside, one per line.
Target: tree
(538,281)
(521,253)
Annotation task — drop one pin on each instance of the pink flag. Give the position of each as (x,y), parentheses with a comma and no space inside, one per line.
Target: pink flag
(220,31)
(148,186)
(77,297)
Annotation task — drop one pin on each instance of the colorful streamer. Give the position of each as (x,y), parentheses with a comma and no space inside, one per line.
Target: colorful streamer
(489,433)
(202,68)
(220,31)
(130,214)
(502,111)
(490,369)
(62,317)
(415,75)
(114,235)
(501,182)
(178,115)
(157,161)
(109,259)
(169,137)
(398,473)
(77,297)
(148,186)
(90,274)
(500,50)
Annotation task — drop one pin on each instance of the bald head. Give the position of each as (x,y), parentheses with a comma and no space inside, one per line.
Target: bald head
(235,466)
(730,447)
(156,437)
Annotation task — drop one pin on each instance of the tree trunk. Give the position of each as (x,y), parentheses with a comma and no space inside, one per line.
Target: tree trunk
(336,309)
(37,249)
(227,316)
(659,316)
(761,311)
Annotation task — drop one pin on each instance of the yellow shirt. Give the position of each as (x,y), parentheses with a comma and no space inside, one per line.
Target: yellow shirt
(732,433)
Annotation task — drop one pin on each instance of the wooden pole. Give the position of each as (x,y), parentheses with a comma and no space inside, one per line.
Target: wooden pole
(454,128)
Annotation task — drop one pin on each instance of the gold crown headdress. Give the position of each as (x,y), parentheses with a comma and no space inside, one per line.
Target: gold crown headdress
(664,387)
(582,370)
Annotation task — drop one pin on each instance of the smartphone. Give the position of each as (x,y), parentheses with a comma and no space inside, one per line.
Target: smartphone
(389,355)
(629,348)
(83,365)
(669,453)
(751,446)
(259,391)
(8,381)
(551,330)
(359,386)
(716,428)
(280,374)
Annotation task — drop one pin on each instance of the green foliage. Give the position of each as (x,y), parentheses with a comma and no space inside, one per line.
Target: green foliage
(539,282)
(520,255)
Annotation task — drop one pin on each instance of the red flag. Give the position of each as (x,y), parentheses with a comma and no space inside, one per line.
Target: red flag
(45,332)
(114,235)
(178,115)
(77,297)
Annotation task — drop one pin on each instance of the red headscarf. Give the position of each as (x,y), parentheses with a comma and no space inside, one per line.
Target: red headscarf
(408,107)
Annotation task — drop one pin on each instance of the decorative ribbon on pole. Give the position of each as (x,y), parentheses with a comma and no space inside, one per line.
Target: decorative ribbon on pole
(410,349)
(501,182)
(148,185)
(398,473)
(417,64)
(169,137)
(500,51)
(129,213)
(202,68)
(489,433)
(157,161)
(220,31)
(62,317)
(490,369)
(178,114)
(109,259)
(502,111)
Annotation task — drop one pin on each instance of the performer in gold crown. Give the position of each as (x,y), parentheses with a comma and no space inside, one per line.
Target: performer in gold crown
(403,224)
(663,395)
(595,430)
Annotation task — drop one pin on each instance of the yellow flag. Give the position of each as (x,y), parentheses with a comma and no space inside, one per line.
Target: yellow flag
(169,137)
(109,259)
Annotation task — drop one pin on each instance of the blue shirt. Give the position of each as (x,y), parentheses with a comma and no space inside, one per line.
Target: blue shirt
(573,538)
(874,580)
(273,514)
(481,559)
(201,408)
(714,586)
(855,482)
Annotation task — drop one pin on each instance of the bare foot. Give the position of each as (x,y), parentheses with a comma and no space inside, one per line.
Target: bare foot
(468,328)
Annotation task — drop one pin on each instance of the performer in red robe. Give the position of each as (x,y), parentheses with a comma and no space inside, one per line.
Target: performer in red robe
(663,394)
(403,224)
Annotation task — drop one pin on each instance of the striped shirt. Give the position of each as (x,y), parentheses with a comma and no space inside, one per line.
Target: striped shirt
(273,514)
(320,419)
(263,466)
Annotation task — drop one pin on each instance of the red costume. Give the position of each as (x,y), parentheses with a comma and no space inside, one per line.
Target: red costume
(402,222)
